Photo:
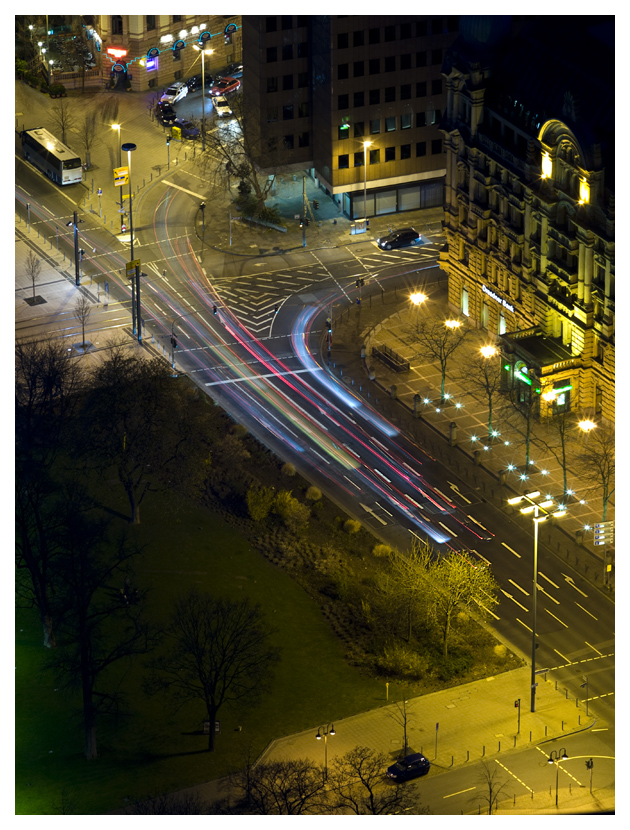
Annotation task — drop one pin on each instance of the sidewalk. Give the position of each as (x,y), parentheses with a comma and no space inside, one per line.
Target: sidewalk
(389,319)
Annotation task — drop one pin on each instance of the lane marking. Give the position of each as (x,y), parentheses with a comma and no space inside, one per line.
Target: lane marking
(585,611)
(476,522)
(594,649)
(542,590)
(569,663)
(516,585)
(525,625)
(450,795)
(169,183)
(452,532)
(509,772)
(540,573)
(569,580)
(556,618)
(509,596)
(511,550)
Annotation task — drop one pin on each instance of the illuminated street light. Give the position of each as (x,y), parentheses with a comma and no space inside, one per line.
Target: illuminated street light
(418,298)
(556,761)
(535,507)
(325,732)
(203,92)
(488,351)
(586,425)
(452,324)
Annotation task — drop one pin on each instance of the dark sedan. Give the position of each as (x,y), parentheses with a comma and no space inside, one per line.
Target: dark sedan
(165,113)
(188,130)
(412,766)
(194,83)
(399,238)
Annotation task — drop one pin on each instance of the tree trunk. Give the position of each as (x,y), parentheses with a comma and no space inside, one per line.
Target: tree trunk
(447,625)
(134,506)
(212,714)
(89,711)
(49,636)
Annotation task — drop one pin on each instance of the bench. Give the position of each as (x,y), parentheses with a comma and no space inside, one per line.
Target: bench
(390,358)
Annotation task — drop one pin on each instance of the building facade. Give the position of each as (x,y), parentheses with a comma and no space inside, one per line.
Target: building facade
(529,202)
(152,51)
(357,100)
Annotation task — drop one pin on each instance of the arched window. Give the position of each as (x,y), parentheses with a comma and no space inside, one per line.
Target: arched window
(117,26)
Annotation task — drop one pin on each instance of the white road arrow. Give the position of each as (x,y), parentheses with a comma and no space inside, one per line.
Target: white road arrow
(569,580)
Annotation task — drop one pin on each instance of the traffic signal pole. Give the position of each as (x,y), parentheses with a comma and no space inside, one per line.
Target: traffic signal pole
(304,211)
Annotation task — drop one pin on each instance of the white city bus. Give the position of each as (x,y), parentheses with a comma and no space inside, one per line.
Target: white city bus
(52,157)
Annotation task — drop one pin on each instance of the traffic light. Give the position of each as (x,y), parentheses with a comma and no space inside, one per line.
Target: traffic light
(308,221)
(329,324)
(315,204)
(81,254)
(275,310)
(173,342)
(202,206)
(214,309)
(168,140)
(301,223)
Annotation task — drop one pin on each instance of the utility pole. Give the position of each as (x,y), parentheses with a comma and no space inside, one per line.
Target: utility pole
(304,211)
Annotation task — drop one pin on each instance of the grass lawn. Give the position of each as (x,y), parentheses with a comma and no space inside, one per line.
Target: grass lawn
(150,749)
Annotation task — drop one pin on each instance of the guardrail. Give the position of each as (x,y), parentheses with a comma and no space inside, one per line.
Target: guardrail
(390,358)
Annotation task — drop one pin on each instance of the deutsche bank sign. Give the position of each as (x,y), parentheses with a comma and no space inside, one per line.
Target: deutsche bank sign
(496,297)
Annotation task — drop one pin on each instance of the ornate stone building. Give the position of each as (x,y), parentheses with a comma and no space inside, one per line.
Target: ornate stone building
(529,201)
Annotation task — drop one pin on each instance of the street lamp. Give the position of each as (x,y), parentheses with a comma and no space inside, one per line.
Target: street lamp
(117,127)
(452,324)
(536,507)
(417,299)
(325,732)
(203,92)
(366,144)
(129,148)
(488,351)
(586,425)
(556,761)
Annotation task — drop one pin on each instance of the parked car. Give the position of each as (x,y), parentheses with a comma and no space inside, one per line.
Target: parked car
(221,106)
(195,82)
(412,766)
(224,85)
(234,69)
(165,113)
(175,92)
(399,238)
(188,130)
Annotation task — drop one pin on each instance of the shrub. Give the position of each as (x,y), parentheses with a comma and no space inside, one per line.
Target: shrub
(500,651)
(400,659)
(239,430)
(259,502)
(382,550)
(313,494)
(292,512)
(454,664)
(287,469)
(351,526)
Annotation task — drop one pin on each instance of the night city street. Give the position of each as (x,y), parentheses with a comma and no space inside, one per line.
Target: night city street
(283,475)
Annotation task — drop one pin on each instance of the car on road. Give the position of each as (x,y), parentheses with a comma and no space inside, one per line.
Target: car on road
(175,92)
(399,238)
(224,85)
(411,766)
(188,129)
(195,82)
(165,113)
(221,106)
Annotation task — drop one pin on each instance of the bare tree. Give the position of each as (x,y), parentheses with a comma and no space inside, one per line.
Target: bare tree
(279,788)
(33,268)
(358,786)
(482,375)
(232,148)
(82,310)
(435,341)
(46,387)
(87,130)
(597,462)
(401,716)
(64,118)
(490,779)
(98,616)
(220,654)
(556,438)
(187,803)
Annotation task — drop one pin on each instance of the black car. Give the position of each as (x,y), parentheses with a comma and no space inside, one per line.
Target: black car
(195,82)
(399,238)
(165,113)
(411,766)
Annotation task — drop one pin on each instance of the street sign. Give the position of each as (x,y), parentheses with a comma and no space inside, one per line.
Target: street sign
(121,176)
(99,191)
(131,267)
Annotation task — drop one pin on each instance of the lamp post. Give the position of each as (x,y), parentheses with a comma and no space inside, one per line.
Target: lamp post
(129,148)
(417,299)
(327,730)
(536,507)
(366,144)
(203,92)
(117,128)
(75,225)
(556,761)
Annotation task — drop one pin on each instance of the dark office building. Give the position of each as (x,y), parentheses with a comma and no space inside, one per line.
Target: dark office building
(331,93)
